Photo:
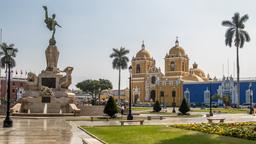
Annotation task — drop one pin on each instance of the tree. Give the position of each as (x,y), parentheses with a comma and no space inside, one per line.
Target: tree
(236,30)
(226,99)
(4,55)
(157,107)
(119,62)
(111,107)
(94,87)
(184,108)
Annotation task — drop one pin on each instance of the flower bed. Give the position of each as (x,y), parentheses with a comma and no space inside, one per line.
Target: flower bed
(245,130)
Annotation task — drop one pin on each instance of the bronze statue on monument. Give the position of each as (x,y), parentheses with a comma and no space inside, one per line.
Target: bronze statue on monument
(52,53)
(48,91)
(51,24)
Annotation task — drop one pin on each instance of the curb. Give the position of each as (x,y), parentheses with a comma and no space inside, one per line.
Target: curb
(92,135)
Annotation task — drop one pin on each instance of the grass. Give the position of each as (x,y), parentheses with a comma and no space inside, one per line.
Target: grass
(222,110)
(102,119)
(135,118)
(158,135)
(141,108)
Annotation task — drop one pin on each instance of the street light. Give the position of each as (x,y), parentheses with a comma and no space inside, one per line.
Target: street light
(251,99)
(211,114)
(173,101)
(129,116)
(8,121)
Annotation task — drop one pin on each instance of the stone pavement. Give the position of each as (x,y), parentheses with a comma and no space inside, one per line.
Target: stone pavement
(39,131)
(59,131)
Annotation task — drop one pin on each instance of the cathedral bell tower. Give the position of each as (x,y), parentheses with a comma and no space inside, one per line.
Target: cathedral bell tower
(176,62)
(141,65)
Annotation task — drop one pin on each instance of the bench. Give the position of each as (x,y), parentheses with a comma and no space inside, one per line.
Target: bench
(221,120)
(155,117)
(102,117)
(124,121)
(76,110)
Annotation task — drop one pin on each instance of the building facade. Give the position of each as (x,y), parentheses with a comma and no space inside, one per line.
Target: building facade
(18,86)
(149,83)
(124,95)
(199,92)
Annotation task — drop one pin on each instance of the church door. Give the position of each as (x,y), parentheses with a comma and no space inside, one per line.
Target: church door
(153,95)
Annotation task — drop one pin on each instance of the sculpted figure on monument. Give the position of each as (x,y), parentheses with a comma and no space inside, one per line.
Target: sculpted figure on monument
(32,78)
(51,24)
(66,80)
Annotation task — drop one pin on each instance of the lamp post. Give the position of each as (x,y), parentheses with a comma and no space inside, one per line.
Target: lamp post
(173,101)
(250,92)
(211,114)
(8,122)
(129,116)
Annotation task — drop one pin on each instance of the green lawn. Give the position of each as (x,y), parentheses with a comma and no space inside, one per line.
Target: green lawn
(141,108)
(222,110)
(102,119)
(158,135)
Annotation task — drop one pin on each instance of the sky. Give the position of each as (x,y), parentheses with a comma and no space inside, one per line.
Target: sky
(91,28)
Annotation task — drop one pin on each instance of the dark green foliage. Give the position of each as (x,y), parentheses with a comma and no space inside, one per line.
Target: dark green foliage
(236,33)
(236,30)
(157,107)
(111,107)
(94,87)
(119,62)
(184,108)
(5,57)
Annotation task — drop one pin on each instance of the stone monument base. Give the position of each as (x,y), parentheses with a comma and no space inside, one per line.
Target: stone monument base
(34,103)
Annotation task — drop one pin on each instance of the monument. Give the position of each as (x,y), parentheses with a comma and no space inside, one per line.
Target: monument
(48,92)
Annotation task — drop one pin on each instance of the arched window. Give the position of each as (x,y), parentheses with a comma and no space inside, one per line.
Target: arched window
(153,79)
(173,93)
(137,68)
(183,66)
(162,94)
(173,66)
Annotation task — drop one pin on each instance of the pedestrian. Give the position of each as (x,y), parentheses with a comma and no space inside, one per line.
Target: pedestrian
(122,110)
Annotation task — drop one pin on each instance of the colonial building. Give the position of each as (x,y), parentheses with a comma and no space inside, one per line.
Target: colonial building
(17,88)
(124,95)
(149,83)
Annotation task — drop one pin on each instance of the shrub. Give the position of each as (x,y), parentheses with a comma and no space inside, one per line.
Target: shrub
(184,108)
(245,130)
(111,107)
(157,107)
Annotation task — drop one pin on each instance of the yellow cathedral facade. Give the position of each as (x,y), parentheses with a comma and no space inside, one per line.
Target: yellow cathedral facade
(149,83)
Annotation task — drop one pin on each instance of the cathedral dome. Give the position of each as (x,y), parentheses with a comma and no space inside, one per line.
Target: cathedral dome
(198,71)
(143,52)
(177,51)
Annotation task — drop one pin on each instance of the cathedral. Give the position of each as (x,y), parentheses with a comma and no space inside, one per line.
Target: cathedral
(149,83)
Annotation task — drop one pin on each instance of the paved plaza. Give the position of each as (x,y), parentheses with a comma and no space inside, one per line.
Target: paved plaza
(31,130)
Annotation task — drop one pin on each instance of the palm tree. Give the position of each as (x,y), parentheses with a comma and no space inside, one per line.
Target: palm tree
(5,56)
(236,30)
(119,62)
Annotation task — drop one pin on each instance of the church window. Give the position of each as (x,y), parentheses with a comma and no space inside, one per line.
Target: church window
(183,66)
(172,66)
(137,68)
(153,79)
